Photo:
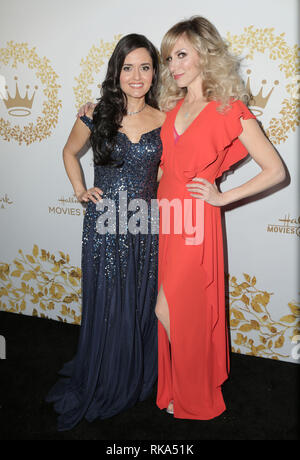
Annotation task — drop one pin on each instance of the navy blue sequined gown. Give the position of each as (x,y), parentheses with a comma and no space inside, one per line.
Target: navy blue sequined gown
(116,361)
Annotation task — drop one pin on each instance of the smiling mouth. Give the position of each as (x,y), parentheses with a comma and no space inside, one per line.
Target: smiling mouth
(136,85)
(177,76)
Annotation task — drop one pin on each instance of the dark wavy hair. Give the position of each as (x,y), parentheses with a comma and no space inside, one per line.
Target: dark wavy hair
(112,105)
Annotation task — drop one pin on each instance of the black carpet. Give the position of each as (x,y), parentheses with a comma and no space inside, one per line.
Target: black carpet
(262,396)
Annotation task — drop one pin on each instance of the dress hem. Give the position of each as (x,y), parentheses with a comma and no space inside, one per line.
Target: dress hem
(208,415)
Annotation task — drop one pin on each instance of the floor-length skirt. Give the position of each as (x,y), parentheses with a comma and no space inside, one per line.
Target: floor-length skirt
(116,361)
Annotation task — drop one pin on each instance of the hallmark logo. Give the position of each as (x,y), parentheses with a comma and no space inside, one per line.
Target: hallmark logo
(276,100)
(64,208)
(29,102)
(259,101)
(19,106)
(4,201)
(287,225)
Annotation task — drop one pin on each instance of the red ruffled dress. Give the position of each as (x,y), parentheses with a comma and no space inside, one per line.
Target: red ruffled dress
(191,267)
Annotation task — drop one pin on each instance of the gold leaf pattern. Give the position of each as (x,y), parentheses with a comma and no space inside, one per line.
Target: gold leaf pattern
(262,41)
(54,283)
(30,286)
(90,65)
(19,52)
(249,313)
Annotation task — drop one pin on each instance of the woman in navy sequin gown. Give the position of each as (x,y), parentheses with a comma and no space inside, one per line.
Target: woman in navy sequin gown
(116,361)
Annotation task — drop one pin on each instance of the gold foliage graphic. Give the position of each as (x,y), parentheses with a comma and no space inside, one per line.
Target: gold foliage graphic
(42,282)
(262,41)
(20,53)
(251,324)
(90,65)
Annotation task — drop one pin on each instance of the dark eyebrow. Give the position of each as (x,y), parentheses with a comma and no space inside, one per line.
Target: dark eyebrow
(144,63)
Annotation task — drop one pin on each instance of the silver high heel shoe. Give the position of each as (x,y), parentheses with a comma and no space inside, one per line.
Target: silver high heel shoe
(170,411)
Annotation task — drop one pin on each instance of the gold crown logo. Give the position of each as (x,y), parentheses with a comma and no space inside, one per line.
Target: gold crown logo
(259,100)
(18,106)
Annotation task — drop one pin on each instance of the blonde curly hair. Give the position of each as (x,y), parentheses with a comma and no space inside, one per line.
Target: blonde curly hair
(220,69)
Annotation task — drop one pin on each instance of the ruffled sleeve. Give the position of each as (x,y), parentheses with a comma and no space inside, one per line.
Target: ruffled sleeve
(87,121)
(231,129)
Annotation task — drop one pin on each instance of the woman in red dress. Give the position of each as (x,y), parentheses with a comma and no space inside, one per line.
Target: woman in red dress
(208,128)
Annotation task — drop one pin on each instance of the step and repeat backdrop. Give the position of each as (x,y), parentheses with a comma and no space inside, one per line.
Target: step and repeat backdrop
(53,57)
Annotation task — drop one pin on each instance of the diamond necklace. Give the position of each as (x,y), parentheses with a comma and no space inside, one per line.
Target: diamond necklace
(134,113)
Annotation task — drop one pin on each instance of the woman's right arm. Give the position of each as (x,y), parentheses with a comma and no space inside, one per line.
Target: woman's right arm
(78,137)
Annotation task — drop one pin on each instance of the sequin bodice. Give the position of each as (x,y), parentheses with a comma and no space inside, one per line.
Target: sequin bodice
(137,175)
(122,186)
